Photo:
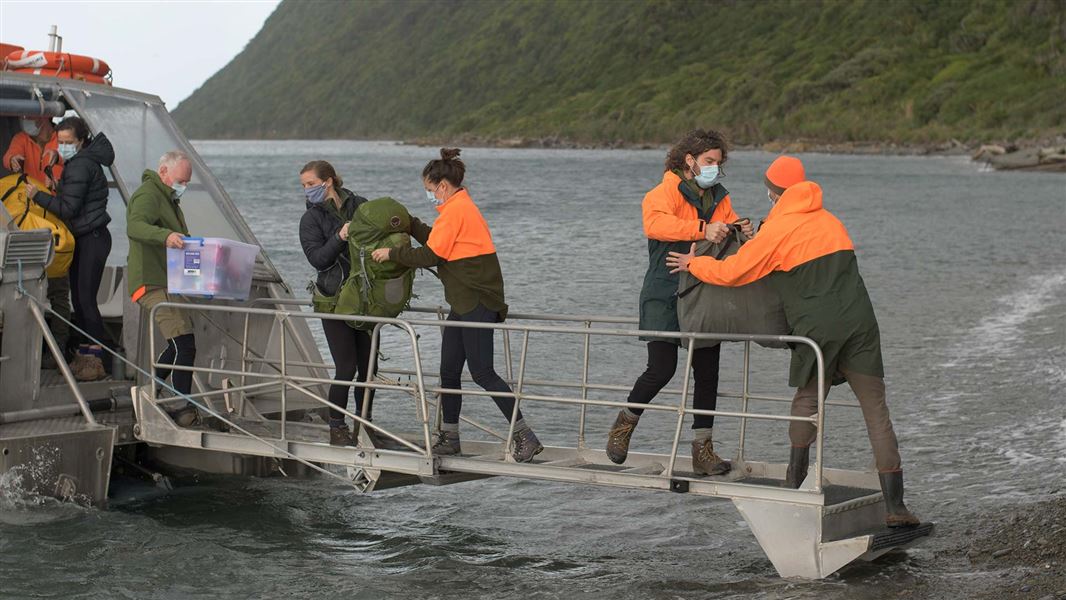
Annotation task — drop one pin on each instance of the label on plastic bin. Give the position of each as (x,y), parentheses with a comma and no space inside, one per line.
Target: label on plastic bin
(192,262)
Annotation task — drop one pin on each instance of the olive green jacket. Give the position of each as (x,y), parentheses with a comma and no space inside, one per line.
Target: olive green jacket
(153,214)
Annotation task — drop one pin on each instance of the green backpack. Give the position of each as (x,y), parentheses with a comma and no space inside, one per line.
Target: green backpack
(372,288)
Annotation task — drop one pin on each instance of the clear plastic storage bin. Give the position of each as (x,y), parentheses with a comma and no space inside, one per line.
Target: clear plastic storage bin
(211,268)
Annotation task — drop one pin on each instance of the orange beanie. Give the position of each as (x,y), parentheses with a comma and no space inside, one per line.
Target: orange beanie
(783,173)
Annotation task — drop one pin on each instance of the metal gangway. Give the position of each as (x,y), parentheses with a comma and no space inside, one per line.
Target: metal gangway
(836,517)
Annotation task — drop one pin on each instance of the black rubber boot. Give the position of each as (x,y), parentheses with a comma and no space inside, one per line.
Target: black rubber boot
(798,462)
(896,513)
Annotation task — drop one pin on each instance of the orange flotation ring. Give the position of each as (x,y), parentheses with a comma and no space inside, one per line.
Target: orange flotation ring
(57,61)
(64,74)
(6,49)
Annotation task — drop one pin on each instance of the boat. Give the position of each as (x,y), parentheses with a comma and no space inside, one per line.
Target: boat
(261,376)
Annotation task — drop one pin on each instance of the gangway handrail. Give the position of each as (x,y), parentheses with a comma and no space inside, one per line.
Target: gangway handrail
(281,316)
(54,348)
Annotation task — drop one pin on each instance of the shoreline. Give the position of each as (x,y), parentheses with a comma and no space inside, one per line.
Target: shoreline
(1043,155)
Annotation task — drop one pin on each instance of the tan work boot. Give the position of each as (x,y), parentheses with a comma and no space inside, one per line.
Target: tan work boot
(705,461)
(88,367)
(619,435)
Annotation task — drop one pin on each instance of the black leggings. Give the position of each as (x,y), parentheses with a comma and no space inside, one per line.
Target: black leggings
(180,351)
(473,347)
(662,363)
(350,349)
(90,256)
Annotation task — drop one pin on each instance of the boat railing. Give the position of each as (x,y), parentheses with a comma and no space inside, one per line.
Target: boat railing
(35,305)
(280,376)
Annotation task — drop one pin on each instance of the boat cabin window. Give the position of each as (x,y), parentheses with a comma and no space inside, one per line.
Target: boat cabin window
(140,136)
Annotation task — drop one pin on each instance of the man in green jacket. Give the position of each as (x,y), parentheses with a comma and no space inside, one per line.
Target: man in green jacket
(154,222)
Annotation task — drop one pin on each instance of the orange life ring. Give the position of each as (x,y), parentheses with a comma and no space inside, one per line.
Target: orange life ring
(6,49)
(38,59)
(64,74)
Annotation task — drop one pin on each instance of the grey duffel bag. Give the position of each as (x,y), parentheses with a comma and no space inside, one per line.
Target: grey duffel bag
(752,308)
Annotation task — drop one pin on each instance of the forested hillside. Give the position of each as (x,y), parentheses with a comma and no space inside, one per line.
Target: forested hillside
(601,71)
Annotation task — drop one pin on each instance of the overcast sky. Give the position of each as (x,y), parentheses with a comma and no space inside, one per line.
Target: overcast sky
(167,48)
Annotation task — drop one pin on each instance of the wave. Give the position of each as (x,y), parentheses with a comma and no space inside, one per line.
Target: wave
(1001,331)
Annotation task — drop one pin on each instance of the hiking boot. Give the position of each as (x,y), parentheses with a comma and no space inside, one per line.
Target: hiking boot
(340,435)
(618,437)
(88,367)
(705,461)
(526,445)
(896,513)
(186,416)
(447,443)
(798,462)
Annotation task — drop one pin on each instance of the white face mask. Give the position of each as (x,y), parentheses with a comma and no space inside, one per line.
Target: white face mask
(31,127)
(770,197)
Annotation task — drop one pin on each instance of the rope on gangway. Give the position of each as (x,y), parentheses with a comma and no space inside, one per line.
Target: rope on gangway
(187,398)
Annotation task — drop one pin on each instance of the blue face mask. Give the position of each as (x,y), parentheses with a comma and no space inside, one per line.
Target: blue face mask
(179,189)
(708,176)
(316,195)
(433,199)
(67,150)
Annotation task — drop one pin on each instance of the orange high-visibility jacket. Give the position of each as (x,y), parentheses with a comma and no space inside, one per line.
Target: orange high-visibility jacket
(460,243)
(33,165)
(673,216)
(810,260)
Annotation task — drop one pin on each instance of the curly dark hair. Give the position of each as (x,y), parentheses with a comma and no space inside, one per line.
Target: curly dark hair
(448,167)
(695,142)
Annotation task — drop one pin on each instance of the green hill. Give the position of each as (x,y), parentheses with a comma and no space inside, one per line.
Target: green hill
(600,71)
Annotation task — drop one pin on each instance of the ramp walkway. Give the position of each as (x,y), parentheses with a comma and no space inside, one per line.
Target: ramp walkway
(836,517)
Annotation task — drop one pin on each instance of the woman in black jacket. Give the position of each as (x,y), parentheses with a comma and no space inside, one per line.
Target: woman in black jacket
(81,202)
(324,238)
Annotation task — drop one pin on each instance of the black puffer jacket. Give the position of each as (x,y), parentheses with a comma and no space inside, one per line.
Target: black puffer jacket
(324,249)
(81,201)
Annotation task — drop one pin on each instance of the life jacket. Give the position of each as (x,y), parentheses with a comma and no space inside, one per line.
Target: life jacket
(29,215)
(748,309)
(372,288)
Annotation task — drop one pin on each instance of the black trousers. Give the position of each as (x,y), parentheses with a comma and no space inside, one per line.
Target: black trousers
(86,271)
(180,351)
(472,347)
(350,349)
(662,363)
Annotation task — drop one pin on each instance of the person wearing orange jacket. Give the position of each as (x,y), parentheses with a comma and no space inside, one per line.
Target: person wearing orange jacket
(689,204)
(34,151)
(460,244)
(808,257)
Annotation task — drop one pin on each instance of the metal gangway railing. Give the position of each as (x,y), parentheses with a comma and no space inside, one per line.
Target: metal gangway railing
(834,505)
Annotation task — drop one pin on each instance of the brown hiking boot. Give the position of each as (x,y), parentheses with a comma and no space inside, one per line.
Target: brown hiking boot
(340,436)
(88,367)
(447,443)
(619,435)
(526,445)
(705,461)
(896,513)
